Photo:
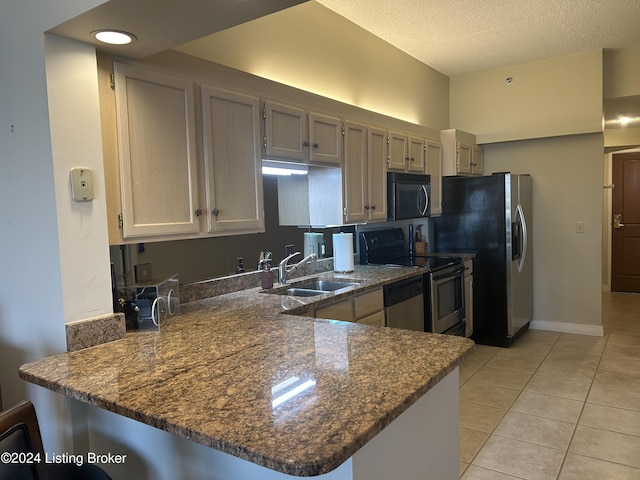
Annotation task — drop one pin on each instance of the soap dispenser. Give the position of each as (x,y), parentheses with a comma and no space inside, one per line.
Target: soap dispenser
(266,276)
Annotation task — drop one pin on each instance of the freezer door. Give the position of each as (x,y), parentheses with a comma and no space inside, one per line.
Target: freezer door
(520,285)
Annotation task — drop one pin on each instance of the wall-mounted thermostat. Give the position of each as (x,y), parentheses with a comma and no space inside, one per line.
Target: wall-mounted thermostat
(81,184)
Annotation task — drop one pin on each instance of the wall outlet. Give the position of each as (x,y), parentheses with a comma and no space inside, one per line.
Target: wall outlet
(579,227)
(142,272)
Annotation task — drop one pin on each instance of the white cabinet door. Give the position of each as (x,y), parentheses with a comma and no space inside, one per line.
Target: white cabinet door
(416,163)
(157,152)
(477,160)
(355,173)
(325,139)
(434,169)
(406,153)
(231,136)
(292,134)
(285,132)
(463,164)
(377,149)
(398,151)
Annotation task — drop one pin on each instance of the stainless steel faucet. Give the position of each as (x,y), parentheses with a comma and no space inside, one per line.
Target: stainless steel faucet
(284,269)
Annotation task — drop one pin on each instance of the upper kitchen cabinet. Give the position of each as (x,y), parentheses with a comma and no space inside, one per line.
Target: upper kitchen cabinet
(293,134)
(285,132)
(416,162)
(156,131)
(377,153)
(325,139)
(364,173)
(406,153)
(461,155)
(398,151)
(433,151)
(232,161)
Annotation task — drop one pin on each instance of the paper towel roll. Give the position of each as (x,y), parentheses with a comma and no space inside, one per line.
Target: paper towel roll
(343,252)
(311,241)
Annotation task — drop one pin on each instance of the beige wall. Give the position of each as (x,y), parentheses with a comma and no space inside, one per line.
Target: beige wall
(617,138)
(312,48)
(560,96)
(622,72)
(567,187)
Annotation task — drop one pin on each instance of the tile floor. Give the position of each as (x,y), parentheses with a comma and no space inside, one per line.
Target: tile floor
(556,406)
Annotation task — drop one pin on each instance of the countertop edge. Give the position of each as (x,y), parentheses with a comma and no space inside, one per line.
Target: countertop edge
(301,469)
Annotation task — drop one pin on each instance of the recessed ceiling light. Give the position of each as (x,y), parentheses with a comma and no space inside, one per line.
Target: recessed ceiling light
(114,37)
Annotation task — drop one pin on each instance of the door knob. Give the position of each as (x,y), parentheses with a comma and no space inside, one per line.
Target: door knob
(617,219)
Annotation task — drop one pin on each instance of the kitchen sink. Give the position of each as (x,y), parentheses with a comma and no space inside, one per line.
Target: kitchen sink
(299,292)
(325,285)
(312,288)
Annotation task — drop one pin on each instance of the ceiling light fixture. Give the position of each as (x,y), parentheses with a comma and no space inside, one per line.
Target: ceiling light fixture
(114,37)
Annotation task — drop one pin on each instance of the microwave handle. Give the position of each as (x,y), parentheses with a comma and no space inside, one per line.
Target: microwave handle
(423,211)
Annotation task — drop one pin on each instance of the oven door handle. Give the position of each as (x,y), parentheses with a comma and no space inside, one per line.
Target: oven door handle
(448,273)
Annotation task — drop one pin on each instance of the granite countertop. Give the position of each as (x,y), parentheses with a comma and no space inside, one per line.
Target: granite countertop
(219,373)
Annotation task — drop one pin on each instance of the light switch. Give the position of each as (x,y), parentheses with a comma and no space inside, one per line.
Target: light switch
(81,184)
(579,227)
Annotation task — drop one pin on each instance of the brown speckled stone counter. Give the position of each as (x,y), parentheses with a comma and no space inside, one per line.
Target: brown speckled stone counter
(217,374)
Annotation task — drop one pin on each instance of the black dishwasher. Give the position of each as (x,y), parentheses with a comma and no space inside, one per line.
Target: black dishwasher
(404,304)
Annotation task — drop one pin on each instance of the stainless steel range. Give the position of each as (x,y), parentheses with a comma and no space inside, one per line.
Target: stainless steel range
(443,278)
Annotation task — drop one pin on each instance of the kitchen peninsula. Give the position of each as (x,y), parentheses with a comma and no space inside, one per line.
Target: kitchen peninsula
(243,374)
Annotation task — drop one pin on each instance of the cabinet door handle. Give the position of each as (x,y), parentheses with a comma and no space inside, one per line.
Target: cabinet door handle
(315,145)
(412,159)
(366,207)
(198,212)
(373,207)
(305,144)
(215,212)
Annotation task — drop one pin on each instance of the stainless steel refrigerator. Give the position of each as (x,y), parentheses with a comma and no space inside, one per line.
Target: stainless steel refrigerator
(491,217)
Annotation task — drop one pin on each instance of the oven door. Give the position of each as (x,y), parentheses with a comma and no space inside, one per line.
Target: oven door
(447,298)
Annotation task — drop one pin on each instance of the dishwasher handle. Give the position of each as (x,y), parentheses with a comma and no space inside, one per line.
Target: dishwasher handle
(397,292)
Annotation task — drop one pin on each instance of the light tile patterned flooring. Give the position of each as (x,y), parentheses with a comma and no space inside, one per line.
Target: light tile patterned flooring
(556,406)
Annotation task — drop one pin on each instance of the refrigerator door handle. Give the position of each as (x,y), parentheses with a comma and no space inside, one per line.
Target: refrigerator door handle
(523,222)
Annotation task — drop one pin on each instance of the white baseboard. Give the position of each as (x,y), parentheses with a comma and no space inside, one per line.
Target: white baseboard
(576,328)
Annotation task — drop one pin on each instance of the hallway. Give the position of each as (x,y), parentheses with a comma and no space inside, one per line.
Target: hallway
(556,406)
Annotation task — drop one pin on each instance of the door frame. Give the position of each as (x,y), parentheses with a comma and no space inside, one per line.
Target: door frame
(607,219)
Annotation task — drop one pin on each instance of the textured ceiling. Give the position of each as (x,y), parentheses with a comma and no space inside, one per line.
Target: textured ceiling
(457,37)
(463,36)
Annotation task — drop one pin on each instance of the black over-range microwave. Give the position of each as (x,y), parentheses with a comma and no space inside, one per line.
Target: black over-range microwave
(408,195)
